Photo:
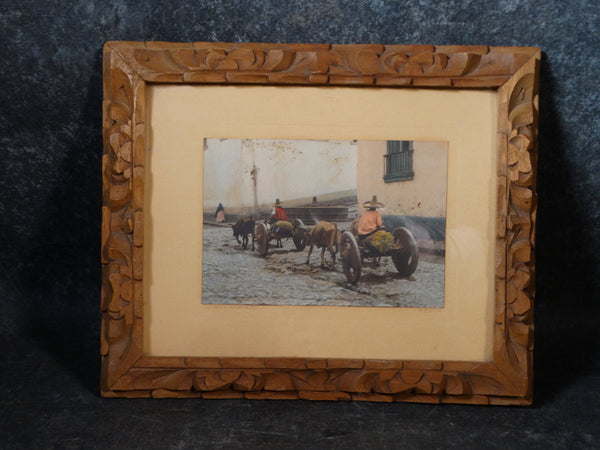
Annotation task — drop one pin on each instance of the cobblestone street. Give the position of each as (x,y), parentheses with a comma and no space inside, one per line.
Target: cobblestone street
(233,275)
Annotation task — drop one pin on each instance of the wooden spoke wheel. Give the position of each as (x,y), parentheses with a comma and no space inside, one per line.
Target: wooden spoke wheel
(406,258)
(262,239)
(299,239)
(350,256)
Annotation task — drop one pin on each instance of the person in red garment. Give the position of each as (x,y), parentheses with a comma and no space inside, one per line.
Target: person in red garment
(370,222)
(279,212)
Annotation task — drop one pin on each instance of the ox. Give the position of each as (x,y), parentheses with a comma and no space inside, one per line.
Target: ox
(242,228)
(283,229)
(324,235)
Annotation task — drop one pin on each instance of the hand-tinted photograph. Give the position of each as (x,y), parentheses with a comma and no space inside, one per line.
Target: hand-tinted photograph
(324,222)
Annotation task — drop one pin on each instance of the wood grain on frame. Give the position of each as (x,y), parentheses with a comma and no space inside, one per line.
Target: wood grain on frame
(130,66)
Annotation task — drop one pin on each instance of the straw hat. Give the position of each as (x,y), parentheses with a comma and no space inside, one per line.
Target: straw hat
(373,203)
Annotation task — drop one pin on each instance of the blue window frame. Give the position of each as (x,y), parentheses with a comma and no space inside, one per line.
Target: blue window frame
(398,161)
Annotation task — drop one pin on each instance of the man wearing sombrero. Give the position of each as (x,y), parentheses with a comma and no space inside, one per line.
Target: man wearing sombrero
(279,221)
(370,222)
(278,211)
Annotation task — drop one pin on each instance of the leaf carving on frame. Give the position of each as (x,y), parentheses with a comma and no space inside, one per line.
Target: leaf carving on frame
(162,61)
(522,113)
(278,381)
(249,381)
(388,382)
(414,65)
(521,119)
(118,298)
(175,380)
(356,381)
(121,95)
(456,385)
(211,380)
(129,66)
(341,380)
(335,64)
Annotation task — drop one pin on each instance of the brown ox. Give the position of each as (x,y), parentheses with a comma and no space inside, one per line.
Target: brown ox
(324,235)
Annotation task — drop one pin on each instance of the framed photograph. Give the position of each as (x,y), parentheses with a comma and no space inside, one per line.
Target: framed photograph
(399,264)
(322,222)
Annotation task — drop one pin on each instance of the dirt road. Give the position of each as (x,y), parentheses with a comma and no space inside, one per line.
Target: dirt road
(233,275)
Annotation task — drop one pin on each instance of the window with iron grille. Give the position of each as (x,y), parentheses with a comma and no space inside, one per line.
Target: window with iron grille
(398,161)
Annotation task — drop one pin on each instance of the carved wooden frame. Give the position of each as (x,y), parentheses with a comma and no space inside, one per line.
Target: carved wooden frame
(130,66)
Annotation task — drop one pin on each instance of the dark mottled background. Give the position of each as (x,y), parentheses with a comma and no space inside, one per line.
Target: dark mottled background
(50,198)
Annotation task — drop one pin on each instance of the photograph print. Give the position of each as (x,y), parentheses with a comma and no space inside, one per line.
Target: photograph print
(324,222)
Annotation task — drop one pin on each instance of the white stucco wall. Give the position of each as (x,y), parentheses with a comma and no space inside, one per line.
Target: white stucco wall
(247,175)
(222,165)
(424,195)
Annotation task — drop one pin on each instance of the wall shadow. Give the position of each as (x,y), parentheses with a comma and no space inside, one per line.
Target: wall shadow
(61,271)
(566,308)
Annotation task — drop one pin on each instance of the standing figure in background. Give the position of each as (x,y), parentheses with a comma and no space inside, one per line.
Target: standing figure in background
(278,211)
(220,214)
(279,221)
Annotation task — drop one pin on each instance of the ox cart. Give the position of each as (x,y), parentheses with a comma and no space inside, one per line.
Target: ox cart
(266,232)
(404,252)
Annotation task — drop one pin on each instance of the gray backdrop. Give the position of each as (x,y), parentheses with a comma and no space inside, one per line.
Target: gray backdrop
(50,200)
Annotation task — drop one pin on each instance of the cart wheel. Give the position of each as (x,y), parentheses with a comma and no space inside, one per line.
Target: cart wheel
(299,239)
(407,258)
(350,256)
(262,239)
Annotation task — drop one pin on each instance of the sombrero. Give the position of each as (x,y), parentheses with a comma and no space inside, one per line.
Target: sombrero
(373,203)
